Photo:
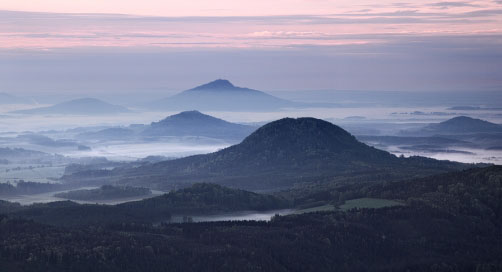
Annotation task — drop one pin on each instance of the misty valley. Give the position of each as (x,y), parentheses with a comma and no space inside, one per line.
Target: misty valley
(237,179)
(251,136)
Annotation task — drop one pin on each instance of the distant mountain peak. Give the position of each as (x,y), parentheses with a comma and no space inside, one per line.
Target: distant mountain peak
(195,123)
(191,113)
(79,106)
(468,121)
(463,124)
(219,84)
(187,115)
(221,94)
(462,119)
(86,100)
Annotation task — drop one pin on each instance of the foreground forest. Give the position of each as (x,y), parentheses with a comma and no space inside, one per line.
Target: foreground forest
(202,198)
(449,222)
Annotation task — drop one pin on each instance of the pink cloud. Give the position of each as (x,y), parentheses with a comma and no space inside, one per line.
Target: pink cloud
(257,24)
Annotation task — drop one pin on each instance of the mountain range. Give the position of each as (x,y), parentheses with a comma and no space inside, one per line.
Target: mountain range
(83,106)
(276,156)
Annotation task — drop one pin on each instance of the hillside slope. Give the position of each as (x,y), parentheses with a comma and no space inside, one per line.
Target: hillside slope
(276,156)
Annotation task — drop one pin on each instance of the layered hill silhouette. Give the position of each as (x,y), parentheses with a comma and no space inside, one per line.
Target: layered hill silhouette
(460,125)
(83,106)
(460,134)
(195,123)
(187,123)
(221,95)
(276,156)
(109,134)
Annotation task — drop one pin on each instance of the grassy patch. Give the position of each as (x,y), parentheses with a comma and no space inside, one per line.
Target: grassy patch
(316,209)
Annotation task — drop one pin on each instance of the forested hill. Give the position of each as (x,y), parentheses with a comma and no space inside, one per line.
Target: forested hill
(450,222)
(276,156)
(199,199)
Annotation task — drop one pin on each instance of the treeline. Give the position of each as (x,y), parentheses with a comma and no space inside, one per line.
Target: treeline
(471,188)
(203,198)
(414,238)
(196,200)
(105,192)
(450,222)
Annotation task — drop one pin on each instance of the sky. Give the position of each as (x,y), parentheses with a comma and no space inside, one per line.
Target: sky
(122,45)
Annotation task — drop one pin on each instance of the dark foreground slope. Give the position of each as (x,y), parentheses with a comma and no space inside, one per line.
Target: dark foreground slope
(277,156)
(450,222)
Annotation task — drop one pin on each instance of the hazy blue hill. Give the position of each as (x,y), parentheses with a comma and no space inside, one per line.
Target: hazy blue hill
(188,123)
(221,95)
(108,134)
(220,85)
(462,131)
(83,106)
(462,125)
(20,155)
(194,123)
(10,99)
(277,156)
(393,140)
(429,144)
(43,140)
